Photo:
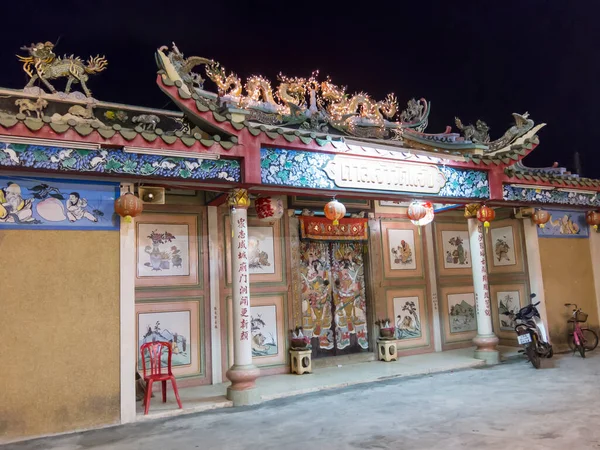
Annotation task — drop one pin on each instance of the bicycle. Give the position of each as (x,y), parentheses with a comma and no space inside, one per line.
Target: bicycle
(581,339)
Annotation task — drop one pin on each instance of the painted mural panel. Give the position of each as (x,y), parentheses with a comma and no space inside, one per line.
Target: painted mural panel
(173,327)
(45,203)
(407,316)
(503,242)
(167,250)
(264,330)
(401,247)
(565,224)
(508,301)
(284,167)
(461,309)
(456,249)
(163,249)
(261,252)
(117,162)
(178,324)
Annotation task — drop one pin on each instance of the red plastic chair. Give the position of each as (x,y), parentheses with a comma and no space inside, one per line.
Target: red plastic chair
(155,350)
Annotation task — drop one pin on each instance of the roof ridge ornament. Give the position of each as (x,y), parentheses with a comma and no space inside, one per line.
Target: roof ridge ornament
(42,64)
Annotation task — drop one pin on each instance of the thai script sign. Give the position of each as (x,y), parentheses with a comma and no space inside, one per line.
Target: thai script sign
(364,173)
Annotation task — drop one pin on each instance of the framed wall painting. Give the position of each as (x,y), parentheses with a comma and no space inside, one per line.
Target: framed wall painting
(408,307)
(506,297)
(453,249)
(264,251)
(459,318)
(565,224)
(402,249)
(267,324)
(167,250)
(318,203)
(504,249)
(177,323)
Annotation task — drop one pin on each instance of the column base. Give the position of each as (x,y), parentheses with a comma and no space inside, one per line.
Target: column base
(486,349)
(243,389)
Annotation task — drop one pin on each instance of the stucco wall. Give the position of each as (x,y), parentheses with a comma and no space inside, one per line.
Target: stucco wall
(568,278)
(59,322)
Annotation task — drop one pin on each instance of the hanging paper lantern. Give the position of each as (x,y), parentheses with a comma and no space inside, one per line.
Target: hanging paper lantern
(428,215)
(416,211)
(593,219)
(486,214)
(128,206)
(334,211)
(269,208)
(540,217)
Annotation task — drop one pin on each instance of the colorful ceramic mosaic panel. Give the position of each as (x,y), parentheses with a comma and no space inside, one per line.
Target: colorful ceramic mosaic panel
(519,194)
(308,170)
(117,162)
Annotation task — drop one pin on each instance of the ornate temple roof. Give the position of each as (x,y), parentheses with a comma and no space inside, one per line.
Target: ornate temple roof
(313,109)
(76,114)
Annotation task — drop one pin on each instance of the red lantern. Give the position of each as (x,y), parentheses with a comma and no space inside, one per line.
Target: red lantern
(593,219)
(269,208)
(128,206)
(416,211)
(486,214)
(334,211)
(540,217)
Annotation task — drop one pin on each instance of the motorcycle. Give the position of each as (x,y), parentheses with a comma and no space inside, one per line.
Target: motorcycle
(531,333)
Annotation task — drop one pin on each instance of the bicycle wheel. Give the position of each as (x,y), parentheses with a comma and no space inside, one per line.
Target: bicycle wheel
(581,349)
(591,339)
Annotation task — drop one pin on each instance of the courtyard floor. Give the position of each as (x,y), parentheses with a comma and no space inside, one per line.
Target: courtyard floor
(507,406)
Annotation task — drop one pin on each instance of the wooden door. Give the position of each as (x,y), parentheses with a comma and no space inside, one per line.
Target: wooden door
(334,304)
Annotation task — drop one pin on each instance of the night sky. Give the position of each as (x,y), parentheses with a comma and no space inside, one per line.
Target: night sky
(476,60)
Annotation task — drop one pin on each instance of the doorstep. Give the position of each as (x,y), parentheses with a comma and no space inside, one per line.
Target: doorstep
(206,398)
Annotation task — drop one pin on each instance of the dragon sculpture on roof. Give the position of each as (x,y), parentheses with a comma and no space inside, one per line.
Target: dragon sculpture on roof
(305,102)
(313,104)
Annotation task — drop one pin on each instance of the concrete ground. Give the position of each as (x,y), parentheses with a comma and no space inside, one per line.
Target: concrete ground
(508,406)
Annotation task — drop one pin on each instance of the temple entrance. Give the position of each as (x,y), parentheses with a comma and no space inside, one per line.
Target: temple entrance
(334,306)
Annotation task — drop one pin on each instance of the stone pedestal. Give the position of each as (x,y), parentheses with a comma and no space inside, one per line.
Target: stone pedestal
(486,341)
(387,350)
(301,361)
(243,373)
(243,385)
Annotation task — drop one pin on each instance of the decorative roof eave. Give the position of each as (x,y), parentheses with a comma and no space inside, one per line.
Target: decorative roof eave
(116,136)
(234,122)
(534,179)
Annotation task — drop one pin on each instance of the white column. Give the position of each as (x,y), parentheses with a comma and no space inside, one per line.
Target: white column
(534,268)
(215,289)
(485,341)
(243,373)
(595,252)
(437,331)
(127,317)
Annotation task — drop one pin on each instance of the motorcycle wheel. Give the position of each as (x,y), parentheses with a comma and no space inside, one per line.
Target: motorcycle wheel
(550,353)
(581,349)
(534,357)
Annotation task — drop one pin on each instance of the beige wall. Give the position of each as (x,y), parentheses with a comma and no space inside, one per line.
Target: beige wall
(568,278)
(59,322)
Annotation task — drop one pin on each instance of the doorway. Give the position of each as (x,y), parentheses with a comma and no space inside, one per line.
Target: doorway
(334,303)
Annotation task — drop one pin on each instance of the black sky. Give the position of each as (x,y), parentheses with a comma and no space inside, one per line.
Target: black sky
(477,59)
